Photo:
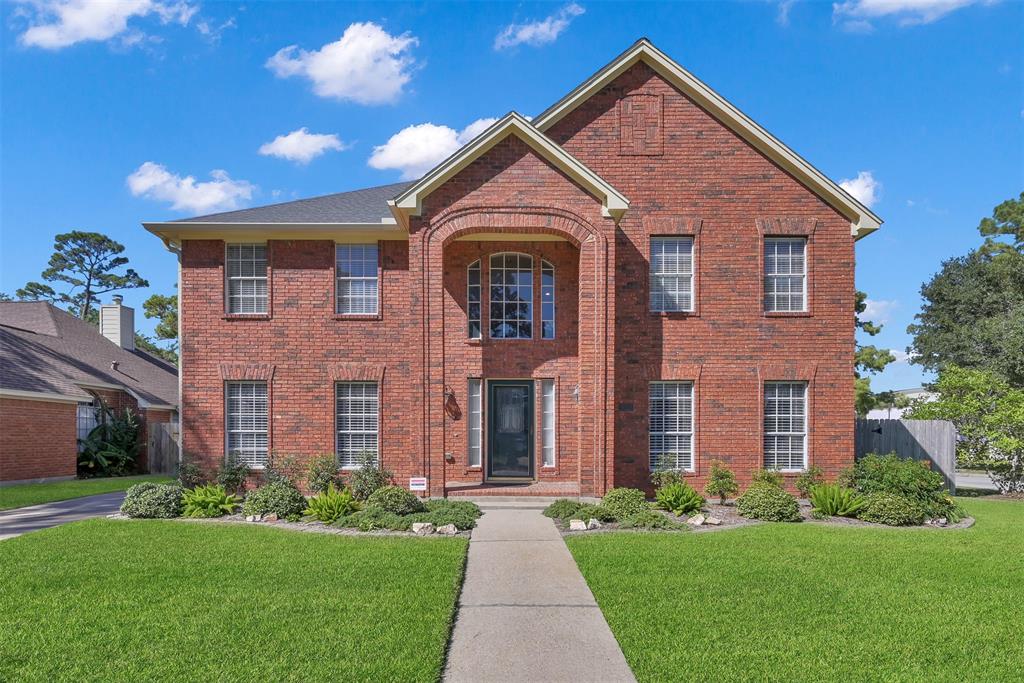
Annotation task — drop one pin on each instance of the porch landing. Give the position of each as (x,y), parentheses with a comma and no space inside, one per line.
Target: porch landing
(533,490)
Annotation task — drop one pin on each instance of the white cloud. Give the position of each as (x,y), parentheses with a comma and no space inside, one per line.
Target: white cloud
(858,15)
(56,24)
(536,33)
(878,310)
(782,16)
(366,65)
(301,146)
(154,181)
(901,356)
(417,149)
(864,188)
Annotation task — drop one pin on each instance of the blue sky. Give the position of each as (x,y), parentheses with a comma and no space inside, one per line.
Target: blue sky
(109,109)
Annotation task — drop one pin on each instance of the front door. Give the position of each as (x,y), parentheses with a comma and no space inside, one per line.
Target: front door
(510,429)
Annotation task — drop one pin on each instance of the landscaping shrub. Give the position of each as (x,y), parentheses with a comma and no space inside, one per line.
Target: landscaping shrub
(462,514)
(663,478)
(721,482)
(563,508)
(649,519)
(902,476)
(278,497)
(232,474)
(770,477)
(588,511)
(679,499)
(623,502)
(808,479)
(395,499)
(368,478)
(892,509)
(322,472)
(112,447)
(209,501)
(769,503)
(285,468)
(190,475)
(832,500)
(331,505)
(373,518)
(944,506)
(149,500)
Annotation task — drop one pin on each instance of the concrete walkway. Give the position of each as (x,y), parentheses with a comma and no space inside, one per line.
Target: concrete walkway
(525,613)
(23,520)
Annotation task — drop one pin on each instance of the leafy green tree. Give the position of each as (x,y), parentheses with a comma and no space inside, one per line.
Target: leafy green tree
(1007,221)
(147,344)
(867,359)
(87,262)
(165,309)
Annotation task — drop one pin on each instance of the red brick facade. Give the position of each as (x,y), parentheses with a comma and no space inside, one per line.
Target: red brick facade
(684,173)
(38,439)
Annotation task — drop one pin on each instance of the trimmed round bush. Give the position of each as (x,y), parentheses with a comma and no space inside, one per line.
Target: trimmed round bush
(396,500)
(623,502)
(563,508)
(278,497)
(893,510)
(769,503)
(152,501)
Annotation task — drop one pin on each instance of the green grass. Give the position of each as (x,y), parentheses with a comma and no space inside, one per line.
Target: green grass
(803,602)
(154,600)
(21,495)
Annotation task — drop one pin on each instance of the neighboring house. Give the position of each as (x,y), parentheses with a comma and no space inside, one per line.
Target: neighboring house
(640,277)
(895,410)
(55,370)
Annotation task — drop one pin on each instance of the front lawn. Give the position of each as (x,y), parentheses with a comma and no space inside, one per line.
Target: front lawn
(21,495)
(810,602)
(161,600)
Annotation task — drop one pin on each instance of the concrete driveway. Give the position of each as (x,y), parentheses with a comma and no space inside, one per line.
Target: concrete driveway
(974,481)
(23,520)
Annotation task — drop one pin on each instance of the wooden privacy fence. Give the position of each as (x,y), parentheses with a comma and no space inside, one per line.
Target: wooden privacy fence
(930,440)
(162,448)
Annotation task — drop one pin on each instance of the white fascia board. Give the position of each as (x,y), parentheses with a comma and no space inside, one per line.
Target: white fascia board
(410,202)
(863,219)
(41,396)
(170,232)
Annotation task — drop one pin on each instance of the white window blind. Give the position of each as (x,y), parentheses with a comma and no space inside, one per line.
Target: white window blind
(785,274)
(547,300)
(356,266)
(511,296)
(547,392)
(671,274)
(247,278)
(475,424)
(473,298)
(246,414)
(785,426)
(671,426)
(88,420)
(356,411)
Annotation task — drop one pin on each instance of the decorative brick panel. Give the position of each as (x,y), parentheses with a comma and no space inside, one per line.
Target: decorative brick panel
(237,372)
(640,125)
(672,225)
(795,226)
(355,372)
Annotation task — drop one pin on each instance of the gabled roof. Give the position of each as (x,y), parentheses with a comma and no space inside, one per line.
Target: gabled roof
(410,201)
(862,219)
(46,352)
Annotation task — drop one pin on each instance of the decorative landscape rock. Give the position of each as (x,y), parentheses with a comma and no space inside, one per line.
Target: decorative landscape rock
(697,520)
(448,530)
(577,525)
(272,517)
(713,521)
(422,528)
(594,524)
(254,518)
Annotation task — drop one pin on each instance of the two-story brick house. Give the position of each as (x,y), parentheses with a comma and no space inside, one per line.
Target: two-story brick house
(639,277)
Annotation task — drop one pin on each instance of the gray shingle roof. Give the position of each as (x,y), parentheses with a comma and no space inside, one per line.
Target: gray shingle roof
(44,349)
(368,205)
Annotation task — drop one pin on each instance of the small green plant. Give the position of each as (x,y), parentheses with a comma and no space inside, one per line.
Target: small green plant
(190,474)
(285,468)
(275,497)
(679,499)
(368,478)
(322,472)
(721,482)
(808,479)
(943,506)
(232,473)
(650,519)
(770,477)
(662,478)
(151,501)
(623,502)
(331,505)
(462,513)
(111,449)
(395,499)
(769,503)
(892,509)
(373,518)
(563,508)
(588,511)
(209,501)
(832,500)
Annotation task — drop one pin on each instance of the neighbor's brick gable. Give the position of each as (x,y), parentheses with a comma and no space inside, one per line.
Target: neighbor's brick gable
(38,439)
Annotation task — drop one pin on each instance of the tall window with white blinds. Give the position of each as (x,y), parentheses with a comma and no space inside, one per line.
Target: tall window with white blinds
(246,422)
(246,278)
(474,427)
(356,268)
(671,426)
(547,423)
(785,274)
(671,274)
(356,420)
(785,426)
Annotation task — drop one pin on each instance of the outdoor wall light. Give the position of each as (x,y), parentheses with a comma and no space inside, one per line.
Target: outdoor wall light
(576,393)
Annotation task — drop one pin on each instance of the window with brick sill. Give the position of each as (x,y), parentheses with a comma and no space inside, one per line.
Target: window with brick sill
(356,282)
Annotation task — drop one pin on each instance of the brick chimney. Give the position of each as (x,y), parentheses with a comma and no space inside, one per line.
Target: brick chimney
(117,323)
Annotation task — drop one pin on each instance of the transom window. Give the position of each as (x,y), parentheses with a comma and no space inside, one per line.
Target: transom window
(356,266)
(671,274)
(247,278)
(356,411)
(246,417)
(547,300)
(785,274)
(511,296)
(671,426)
(473,298)
(785,426)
